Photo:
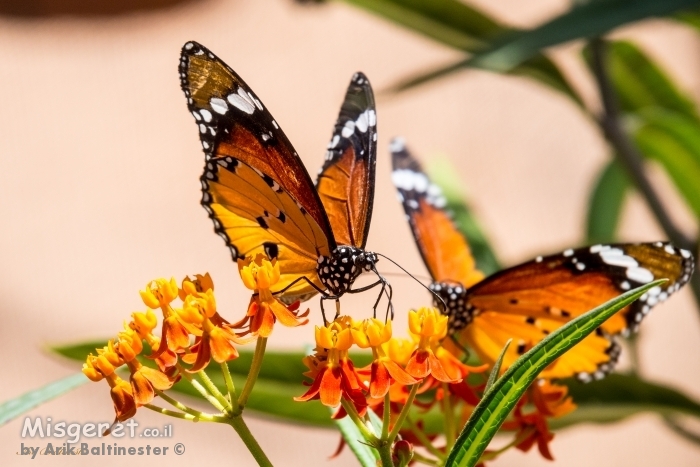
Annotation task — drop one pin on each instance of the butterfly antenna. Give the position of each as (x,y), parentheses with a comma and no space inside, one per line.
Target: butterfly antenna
(401,274)
(435,296)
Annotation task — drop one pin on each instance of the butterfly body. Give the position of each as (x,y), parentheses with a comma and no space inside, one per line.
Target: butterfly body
(527,302)
(260,197)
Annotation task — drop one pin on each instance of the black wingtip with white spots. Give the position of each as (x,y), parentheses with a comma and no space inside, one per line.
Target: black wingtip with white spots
(411,182)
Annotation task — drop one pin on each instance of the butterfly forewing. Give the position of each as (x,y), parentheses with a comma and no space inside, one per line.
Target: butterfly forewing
(346,181)
(443,248)
(234,123)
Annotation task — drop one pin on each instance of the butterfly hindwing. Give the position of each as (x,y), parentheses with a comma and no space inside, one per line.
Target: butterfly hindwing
(346,181)
(535,298)
(444,249)
(234,123)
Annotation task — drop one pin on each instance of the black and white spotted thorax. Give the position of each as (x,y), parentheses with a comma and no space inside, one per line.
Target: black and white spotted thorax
(456,306)
(346,263)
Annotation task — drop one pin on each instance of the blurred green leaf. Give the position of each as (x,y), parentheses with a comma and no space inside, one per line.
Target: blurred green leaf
(366,455)
(640,83)
(691,18)
(673,139)
(493,376)
(462,27)
(444,175)
(587,20)
(619,396)
(605,204)
(13,408)
(497,403)
(450,22)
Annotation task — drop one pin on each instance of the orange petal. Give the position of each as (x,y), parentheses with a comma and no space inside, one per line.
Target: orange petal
(330,387)
(380,381)
(397,373)
(157,379)
(418,365)
(142,389)
(438,372)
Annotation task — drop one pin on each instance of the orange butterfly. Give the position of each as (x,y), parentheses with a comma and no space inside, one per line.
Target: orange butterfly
(261,198)
(527,302)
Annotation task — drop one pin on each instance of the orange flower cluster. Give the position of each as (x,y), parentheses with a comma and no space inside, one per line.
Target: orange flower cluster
(397,364)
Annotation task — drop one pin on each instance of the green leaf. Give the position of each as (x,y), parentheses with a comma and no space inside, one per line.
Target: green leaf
(619,396)
(449,22)
(15,407)
(443,174)
(606,203)
(366,455)
(673,140)
(641,83)
(591,19)
(493,376)
(691,18)
(497,403)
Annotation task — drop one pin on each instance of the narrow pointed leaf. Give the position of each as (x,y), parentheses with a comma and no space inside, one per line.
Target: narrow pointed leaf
(493,376)
(673,140)
(588,20)
(605,204)
(497,403)
(13,408)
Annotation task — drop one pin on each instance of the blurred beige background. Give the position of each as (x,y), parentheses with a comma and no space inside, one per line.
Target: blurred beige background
(99,192)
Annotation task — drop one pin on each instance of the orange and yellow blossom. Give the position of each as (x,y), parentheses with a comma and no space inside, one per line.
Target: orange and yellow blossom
(332,370)
(429,326)
(143,323)
(103,366)
(259,274)
(144,380)
(372,333)
(159,294)
(214,338)
(551,399)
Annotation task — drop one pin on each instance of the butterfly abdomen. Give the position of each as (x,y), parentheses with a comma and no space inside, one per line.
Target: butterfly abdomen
(346,263)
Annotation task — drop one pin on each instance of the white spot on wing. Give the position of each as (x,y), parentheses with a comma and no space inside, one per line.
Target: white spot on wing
(206,115)
(640,275)
(218,105)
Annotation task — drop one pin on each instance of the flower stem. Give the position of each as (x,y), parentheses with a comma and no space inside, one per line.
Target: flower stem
(249,440)
(355,417)
(252,373)
(385,455)
(219,401)
(424,460)
(179,405)
(229,383)
(386,419)
(403,414)
(187,416)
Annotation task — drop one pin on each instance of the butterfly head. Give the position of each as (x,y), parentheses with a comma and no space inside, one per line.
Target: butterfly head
(339,271)
(454,304)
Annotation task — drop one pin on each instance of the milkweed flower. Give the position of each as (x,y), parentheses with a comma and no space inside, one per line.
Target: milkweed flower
(429,326)
(143,323)
(372,333)
(260,274)
(214,338)
(551,399)
(333,373)
(144,380)
(103,366)
(174,335)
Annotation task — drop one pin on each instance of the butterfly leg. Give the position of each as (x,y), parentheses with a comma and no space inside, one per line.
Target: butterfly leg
(303,278)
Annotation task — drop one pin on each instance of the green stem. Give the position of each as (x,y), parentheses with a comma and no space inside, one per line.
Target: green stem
(450,428)
(249,440)
(385,455)
(252,373)
(424,440)
(403,414)
(186,416)
(386,419)
(355,417)
(179,405)
(229,383)
(219,401)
